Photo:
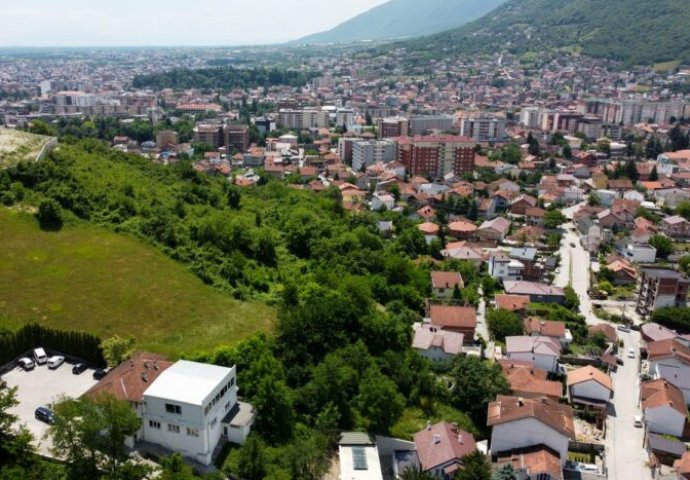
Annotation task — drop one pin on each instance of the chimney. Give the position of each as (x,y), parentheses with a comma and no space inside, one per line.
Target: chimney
(144,377)
(437,439)
(428,426)
(155,364)
(459,437)
(520,402)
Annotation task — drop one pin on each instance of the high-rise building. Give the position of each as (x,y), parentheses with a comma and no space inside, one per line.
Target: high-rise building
(165,138)
(236,138)
(423,125)
(303,119)
(365,153)
(392,127)
(344,116)
(436,156)
(345,148)
(661,288)
(484,128)
(211,134)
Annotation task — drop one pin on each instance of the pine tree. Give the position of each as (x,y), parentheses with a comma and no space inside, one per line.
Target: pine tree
(654,175)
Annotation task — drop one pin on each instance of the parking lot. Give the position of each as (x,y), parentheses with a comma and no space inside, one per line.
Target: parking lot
(41,387)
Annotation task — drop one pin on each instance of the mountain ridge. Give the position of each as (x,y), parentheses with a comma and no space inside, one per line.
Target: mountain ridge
(390,20)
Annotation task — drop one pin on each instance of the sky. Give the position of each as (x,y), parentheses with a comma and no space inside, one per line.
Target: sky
(58,23)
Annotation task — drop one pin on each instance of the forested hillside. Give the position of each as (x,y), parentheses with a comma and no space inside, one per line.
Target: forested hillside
(631,31)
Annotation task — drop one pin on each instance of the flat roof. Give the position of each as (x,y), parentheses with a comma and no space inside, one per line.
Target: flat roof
(187,382)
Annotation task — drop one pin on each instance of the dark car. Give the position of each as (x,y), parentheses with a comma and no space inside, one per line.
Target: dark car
(100,373)
(45,415)
(78,368)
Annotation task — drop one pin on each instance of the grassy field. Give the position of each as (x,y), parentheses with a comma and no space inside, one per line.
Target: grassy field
(16,146)
(86,278)
(663,67)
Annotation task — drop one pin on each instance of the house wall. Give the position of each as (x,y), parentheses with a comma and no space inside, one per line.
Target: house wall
(664,420)
(436,355)
(545,362)
(526,433)
(590,389)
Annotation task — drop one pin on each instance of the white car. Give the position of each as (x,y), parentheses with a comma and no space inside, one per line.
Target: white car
(26,363)
(631,352)
(55,362)
(637,421)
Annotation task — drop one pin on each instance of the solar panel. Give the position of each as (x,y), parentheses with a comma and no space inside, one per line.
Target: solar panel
(359,458)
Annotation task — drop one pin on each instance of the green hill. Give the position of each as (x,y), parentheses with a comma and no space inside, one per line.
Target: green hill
(405,18)
(631,31)
(86,278)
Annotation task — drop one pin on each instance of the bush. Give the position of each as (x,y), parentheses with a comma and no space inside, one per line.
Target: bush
(49,213)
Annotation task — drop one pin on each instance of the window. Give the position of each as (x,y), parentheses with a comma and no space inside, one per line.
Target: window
(154,424)
(170,408)
(207,409)
(173,428)
(213,423)
(359,458)
(192,432)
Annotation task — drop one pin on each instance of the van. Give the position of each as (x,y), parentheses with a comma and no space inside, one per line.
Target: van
(55,362)
(40,356)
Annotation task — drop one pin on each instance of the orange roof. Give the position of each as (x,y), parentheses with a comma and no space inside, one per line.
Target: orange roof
(588,373)
(446,280)
(131,378)
(535,462)
(682,465)
(428,228)
(658,393)
(464,226)
(446,316)
(512,302)
(547,328)
(529,380)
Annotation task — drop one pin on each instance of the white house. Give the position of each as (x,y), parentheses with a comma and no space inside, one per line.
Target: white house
(664,407)
(588,383)
(640,253)
(519,423)
(382,200)
(502,267)
(435,344)
(543,352)
(191,405)
(359,457)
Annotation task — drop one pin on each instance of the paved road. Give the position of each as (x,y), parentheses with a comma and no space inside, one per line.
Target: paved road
(624,452)
(625,455)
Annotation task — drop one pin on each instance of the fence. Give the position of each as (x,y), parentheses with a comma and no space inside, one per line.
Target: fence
(48,147)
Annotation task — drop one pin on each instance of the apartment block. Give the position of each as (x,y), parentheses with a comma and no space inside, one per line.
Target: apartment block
(436,156)
(661,288)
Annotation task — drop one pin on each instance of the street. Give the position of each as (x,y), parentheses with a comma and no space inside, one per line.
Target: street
(625,456)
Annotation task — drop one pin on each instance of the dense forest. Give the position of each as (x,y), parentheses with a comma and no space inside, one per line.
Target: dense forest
(340,356)
(630,31)
(226,78)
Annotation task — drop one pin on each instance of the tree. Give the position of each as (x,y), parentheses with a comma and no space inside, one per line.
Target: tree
(8,399)
(593,199)
(475,466)
(252,459)
(506,472)
(533,145)
(572,301)
(663,244)
(379,401)
(49,213)
(554,219)
(475,384)
(654,175)
(567,152)
(631,171)
(415,473)
(503,323)
(683,209)
(116,349)
(173,467)
(233,198)
(90,435)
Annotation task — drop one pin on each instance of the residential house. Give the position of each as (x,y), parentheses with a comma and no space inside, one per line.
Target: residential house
(502,267)
(443,284)
(527,235)
(589,385)
(535,216)
(522,423)
(640,253)
(606,330)
(543,352)
(460,251)
(359,457)
(441,448)
(462,229)
(520,204)
(503,199)
(664,407)
(186,407)
(536,327)
(653,332)
(513,303)
(669,360)
(455,319)
(430,231)
(381,200)
(494,230)
(528,381)
(534,463)
(682,466)
(676,227)
(661,288)
(622,270)
(671,197)
(528,257)
(537,292)
(437,345)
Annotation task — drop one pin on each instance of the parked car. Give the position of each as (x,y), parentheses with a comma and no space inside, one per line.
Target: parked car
(572,244)
(55,361)
(40,356)
(100,373)
(631,352)
(45,415)
(637,421)
(623,328)
(78,368)
(26,363)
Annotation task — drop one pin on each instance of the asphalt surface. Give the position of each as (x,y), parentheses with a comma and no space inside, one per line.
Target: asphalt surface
(39,388)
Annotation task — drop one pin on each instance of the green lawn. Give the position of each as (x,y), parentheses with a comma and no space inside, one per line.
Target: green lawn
(87,278)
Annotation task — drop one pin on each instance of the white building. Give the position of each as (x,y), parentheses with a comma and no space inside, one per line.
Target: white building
(382,200)
(640,253)
(359,457)
(502,267)
(191,405)
(543,352)
(664,407)
(588,383)
(344,116)
(365,153)
(484,128)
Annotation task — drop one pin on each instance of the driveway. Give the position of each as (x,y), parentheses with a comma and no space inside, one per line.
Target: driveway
(41,387)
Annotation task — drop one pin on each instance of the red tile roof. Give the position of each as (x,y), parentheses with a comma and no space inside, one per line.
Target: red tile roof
(445,316)
(442,443)
(548,328)
(659,393)
(446,280)
(512,302)
(549,412)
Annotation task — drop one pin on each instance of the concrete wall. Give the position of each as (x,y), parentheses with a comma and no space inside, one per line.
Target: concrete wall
(664,419)
(590,389)
(526,433)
